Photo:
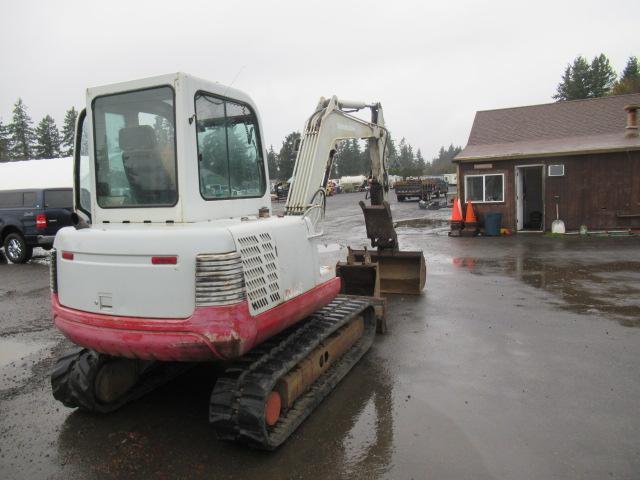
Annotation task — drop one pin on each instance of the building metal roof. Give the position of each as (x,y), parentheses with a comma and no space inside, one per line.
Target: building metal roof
(574,127)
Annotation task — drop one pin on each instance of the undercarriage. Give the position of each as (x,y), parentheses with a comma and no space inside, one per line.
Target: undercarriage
(261,398)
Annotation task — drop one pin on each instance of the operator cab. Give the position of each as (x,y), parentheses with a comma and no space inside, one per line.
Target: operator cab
(169,149)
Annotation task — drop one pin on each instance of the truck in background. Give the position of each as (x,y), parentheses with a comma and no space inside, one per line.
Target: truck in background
(422,188)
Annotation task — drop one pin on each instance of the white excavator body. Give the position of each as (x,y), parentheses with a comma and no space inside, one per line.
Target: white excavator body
(112,270)
(175,257)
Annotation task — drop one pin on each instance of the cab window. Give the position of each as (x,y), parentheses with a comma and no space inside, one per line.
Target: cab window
(83,179)
(230,160)
(134,136)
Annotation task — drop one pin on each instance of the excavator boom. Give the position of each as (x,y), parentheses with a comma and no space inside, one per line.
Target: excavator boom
(331,122)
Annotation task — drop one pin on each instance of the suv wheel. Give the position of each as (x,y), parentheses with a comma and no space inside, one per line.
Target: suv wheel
(16,249)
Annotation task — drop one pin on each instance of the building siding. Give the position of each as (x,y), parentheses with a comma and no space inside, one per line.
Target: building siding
(594,190)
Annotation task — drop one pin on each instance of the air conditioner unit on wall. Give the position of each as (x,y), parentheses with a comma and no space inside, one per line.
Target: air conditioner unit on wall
(556,170)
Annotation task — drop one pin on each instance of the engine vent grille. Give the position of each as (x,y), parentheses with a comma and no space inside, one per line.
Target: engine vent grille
(53,271)
(260,263)
(219,279)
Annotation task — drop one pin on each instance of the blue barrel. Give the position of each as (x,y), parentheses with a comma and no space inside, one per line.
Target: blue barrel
(492,223)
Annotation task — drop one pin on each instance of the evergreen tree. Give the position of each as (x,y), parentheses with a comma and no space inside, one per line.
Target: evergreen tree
(21,130)
(632,70)
(443,162)
(420,163)
(575,81)
(630,80)
(601,76)
(47,139)
(584,80)
(272,163)
(214,163)
(349,157)
(341,160)
(242,155)
(406,160)
(581,79)
(4,143)
(357,159)
(335,169)
(161,126)
(68,132)
(392,151)
(287,156)
(365,160)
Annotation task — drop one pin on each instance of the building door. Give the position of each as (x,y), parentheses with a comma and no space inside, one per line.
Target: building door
(530,198)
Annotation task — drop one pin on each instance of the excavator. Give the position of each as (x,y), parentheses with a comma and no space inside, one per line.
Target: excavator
(176,258)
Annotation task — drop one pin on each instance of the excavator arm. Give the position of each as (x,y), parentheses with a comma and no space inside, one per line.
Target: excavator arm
(396,271)
(329,124)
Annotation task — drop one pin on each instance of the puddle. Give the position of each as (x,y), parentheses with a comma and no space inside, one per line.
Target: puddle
(363,434)
(12,350)
(609,288)
(421,226)
(422,223)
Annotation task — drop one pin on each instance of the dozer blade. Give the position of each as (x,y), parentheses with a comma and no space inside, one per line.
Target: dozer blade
(398,271)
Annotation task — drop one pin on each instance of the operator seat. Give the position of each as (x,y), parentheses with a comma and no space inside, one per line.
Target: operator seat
(149,179)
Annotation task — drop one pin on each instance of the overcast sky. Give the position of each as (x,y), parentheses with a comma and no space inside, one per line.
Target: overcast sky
(431,64)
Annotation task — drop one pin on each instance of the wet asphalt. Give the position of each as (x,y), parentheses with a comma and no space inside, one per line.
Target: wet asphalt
(520,360)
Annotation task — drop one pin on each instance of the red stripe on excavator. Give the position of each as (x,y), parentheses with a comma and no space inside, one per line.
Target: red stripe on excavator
(164,260)
(218,332)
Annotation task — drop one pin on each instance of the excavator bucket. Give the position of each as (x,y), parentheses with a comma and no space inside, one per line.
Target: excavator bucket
(401,272)
(359,278)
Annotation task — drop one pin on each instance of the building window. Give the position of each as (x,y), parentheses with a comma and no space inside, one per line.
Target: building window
(484,188)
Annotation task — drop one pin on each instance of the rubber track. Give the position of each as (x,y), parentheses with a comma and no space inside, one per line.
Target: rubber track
(236,409)
(73,377)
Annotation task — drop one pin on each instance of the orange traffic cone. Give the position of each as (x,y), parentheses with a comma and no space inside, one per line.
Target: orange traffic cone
(456,214)
(470,221)
(470,216)
(456,218)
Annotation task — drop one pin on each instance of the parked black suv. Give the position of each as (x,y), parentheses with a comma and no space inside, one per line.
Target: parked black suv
(31,218)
